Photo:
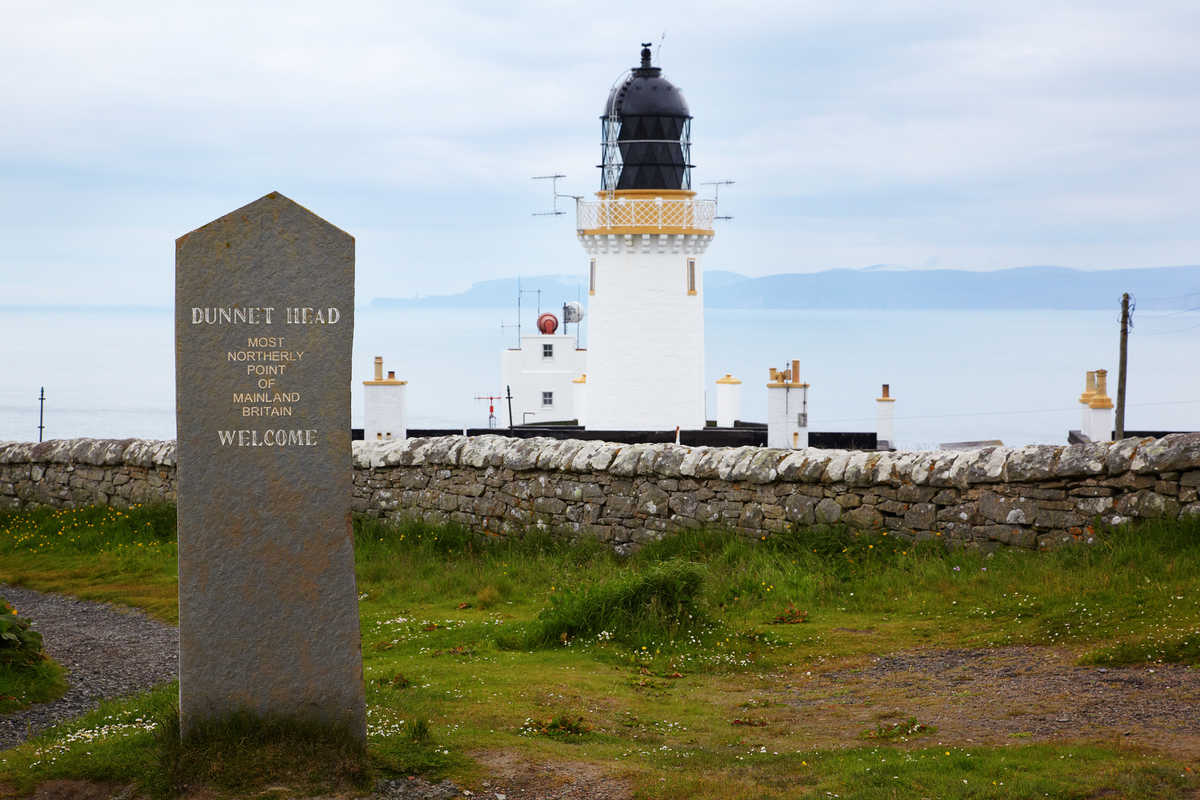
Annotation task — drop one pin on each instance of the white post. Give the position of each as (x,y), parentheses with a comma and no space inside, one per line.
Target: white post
(885,410)
(787,409)
(729,400)
(385,412)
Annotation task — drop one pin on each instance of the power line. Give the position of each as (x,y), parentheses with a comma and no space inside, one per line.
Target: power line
(1174,330)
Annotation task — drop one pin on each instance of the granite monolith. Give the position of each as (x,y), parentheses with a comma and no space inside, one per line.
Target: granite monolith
(268,608)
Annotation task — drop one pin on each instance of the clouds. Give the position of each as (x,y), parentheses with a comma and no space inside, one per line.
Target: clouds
(1042,132)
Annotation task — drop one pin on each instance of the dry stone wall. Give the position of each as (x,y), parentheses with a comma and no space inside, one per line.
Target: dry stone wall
(1035,496)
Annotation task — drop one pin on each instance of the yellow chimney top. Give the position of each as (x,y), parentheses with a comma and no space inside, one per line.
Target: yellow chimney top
(1100,398)
(729,379)
(885,397)
(785,379)
(390,380)
(1089,388)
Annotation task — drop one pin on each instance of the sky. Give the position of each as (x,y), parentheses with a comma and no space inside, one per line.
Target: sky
(906,132)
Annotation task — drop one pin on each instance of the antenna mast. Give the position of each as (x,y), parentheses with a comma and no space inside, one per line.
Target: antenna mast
(717,194)
(554,188)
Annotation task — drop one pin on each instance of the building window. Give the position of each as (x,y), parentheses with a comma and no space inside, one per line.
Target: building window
(547,398)
(592,276)
(547,351)
(691,276)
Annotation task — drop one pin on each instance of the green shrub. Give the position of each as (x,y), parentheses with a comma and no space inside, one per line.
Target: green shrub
(20,645)
(659,602)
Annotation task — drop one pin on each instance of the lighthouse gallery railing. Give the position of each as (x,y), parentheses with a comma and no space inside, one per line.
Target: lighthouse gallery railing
(645,214)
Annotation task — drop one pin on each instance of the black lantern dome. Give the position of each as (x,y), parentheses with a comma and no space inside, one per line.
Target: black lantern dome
(646,133)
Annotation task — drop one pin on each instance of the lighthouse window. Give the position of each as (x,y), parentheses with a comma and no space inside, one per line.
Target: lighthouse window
(547,398)
(592,276)
(691,275)
(547,351)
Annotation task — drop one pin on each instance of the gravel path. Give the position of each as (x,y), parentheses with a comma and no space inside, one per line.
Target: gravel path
(107,652)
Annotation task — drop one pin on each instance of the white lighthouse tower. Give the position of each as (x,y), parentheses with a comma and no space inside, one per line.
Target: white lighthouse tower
(645,235)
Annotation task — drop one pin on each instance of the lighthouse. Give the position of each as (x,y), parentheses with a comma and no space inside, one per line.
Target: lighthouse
(645,235)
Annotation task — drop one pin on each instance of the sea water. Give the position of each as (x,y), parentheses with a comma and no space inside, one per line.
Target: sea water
(956,375)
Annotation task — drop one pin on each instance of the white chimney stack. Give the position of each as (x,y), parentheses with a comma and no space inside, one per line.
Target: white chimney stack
(1098,411)
(787,409)
(885,410)
(385,412)
(729,400)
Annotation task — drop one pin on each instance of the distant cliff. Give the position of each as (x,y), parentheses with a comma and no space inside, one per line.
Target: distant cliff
(1023,287)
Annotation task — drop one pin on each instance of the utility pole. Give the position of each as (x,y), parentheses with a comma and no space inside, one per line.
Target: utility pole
(1120,432)
(508,393)
(41,413)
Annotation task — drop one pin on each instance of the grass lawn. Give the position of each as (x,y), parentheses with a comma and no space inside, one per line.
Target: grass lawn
(705,665)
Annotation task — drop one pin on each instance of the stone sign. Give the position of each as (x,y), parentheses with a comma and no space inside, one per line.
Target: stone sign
(268,608)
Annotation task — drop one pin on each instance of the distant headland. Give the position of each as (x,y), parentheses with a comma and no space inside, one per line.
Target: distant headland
(879,287)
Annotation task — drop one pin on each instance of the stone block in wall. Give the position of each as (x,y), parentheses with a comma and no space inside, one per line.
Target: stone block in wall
(814,467)
(522,454)
(1144,504)
(847,500)
(772,511)
(705,466)
(1188,494)
(1058,518)
(1166,488)
(884,471)
(1091,491)
(735,464)
(1176,451)
(751,517)
(670,462)
(1054,539)
(893,507)
(791,467)
(619,505)
(1125,456)
(652,501)
(910,493)
(800,508)
(553,456)
(1093,506)
(946,497)
(921,516)
(962,514)
(863,518)
(860,469)
(1190,510)
(550,506)
(1032,463)
(1131,480)
(1191,478)
(763,466)
(626,461)
(835,468)
(827,511)
(1080,460)
(1008,534)
(952,469)
(1040,493)
(683,503)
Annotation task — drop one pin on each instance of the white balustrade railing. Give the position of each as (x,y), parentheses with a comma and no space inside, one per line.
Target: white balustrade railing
(648,213)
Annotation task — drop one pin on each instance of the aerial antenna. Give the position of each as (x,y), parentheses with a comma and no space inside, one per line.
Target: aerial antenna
(554,188)
(521,293)
(658,49)
(717,194)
